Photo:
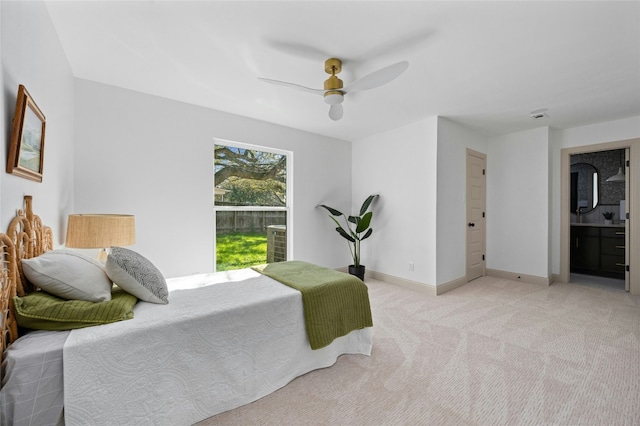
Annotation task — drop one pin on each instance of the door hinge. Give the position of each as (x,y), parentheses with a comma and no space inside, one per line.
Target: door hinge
(627,268)
(627,215)
(482,214)
(627,163)
(484,172)
(483,257)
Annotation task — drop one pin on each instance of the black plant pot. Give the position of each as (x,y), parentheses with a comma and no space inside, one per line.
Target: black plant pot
(358,271)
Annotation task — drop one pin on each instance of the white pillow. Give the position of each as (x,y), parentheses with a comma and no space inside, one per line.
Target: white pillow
(136,275)
(69,275)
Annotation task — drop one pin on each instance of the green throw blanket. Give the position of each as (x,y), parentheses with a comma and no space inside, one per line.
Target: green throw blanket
(334,303)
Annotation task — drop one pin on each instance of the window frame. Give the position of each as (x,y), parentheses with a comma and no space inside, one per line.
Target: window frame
(287,208)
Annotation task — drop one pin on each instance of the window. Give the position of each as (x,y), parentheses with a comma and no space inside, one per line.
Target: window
(251,205)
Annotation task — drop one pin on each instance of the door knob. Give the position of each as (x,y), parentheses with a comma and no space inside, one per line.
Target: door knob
(472,224)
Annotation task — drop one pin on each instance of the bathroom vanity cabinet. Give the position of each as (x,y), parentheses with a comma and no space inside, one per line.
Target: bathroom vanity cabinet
(598,250)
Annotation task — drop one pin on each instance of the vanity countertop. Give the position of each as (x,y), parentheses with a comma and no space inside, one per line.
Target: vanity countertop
(600,225)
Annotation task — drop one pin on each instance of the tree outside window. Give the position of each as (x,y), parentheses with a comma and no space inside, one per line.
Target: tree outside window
(250,200)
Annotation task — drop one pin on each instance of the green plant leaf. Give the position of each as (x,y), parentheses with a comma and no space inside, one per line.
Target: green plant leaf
(336,221)
(353,219)
(368,234)
(366,204)
(344,234)
(332,210)
(364,222)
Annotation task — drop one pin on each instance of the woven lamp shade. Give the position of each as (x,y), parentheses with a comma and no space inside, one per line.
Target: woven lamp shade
(100,230)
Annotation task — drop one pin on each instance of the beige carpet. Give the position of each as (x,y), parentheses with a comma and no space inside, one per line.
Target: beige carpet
(492,352)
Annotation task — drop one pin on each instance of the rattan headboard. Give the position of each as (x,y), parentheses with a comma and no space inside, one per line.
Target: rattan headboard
(25,238)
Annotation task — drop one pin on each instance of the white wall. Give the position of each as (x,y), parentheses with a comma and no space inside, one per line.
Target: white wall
(31,55)
(401,166)
(153,158)
(518,203)
(511,216)
(453,141)
(419,170)
(523,196)
(555,148)
(609,131)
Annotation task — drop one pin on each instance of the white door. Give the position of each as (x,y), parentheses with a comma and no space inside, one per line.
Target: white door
(476,200)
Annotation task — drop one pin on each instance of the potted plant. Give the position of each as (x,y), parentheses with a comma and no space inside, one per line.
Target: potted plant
(355,230)
(608,217)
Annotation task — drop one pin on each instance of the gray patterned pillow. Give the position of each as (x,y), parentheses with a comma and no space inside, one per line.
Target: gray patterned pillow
(134,274)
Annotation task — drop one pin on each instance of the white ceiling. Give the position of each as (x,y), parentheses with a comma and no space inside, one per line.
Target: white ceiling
(484,64)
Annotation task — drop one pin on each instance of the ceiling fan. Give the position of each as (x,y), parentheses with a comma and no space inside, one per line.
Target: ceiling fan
(334,91)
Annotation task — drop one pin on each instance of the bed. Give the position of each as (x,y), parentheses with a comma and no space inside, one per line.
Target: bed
(223,340)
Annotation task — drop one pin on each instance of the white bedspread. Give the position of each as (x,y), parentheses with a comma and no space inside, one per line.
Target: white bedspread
(31,391)
(211,349)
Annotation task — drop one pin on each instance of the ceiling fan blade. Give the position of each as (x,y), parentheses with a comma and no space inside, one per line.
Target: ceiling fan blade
(335,112)
(292,85)
(378,78)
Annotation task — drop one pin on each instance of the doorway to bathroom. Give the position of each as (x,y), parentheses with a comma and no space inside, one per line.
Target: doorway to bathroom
(598,246)
(612,238)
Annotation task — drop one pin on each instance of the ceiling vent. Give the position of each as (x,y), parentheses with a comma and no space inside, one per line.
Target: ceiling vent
(539,113)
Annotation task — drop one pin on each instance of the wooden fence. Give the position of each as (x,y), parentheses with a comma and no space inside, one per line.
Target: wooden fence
(248,221)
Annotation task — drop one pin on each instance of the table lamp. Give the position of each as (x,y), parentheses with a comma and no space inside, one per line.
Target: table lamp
(101,231)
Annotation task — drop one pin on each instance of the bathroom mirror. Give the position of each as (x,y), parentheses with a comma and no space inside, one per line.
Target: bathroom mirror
(584,187)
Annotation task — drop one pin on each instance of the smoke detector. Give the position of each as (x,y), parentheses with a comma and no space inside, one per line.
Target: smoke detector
(539,113)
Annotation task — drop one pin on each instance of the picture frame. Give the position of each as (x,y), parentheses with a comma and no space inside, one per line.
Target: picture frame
(26,152)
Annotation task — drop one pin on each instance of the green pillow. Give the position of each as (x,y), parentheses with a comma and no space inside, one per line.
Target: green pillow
(43,311)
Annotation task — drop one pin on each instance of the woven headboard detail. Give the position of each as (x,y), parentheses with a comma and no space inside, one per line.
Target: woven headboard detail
(8,271)
(30,239)
(25,238)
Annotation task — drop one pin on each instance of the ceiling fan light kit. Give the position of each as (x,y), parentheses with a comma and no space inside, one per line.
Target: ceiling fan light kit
(335,112)
(333,85)
(334,89)
(333,98)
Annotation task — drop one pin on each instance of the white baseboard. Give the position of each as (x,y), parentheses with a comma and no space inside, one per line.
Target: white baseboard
(555,278)
(532,279)
(412,285)
(403,282)
(459,282)
(443,288)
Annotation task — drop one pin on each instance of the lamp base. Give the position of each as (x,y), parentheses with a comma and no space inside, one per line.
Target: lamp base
(102,256)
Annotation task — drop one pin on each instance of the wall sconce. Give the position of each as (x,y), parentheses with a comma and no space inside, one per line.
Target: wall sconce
(618,177)
(101,231)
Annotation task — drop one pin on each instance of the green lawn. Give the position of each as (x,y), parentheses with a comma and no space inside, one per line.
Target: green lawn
(240,250)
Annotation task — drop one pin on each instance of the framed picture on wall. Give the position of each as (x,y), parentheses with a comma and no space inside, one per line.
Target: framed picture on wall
(26,152)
